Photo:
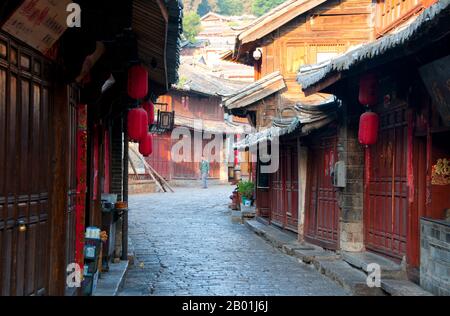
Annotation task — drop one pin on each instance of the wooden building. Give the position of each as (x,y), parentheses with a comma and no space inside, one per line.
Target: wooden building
(293,34)
(196,100)
(401,180)
(63,105)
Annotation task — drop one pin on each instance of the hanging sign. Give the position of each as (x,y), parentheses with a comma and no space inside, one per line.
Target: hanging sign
(436,77)
(39,23)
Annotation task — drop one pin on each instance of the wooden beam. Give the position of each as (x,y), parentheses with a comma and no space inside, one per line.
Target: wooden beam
(149,171)
(320,86)
(163,9)
(277,20)
(125,189)
(58,196)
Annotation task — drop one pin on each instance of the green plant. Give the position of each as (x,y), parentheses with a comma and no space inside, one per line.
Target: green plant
(191,26)
(245,189)
(260,7)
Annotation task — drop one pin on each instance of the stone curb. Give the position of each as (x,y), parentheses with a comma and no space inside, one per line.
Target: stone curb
(111,282)
(351,275)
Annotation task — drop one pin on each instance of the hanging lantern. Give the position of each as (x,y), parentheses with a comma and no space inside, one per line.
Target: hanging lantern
(149,107)
(368,85)
(368,128)
(146,145)
(137,82)
(137,124)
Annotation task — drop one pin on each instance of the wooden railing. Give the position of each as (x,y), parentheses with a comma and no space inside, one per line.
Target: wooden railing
(392,13)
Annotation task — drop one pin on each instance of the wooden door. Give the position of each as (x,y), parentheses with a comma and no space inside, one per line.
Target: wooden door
(386,197)
(322,211)
(292,189)
(284,190)
(72,193)
(277,211)
(160,158)
(25,95)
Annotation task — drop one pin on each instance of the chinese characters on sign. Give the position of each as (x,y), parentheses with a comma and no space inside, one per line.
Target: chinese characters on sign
(39,23)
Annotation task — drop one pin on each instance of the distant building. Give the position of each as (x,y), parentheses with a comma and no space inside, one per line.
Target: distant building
(216,39)
(196,100)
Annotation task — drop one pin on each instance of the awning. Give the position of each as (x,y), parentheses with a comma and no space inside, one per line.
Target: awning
(210,126)
(159,48)
(198,78)
(255,92)
(308,119)
(276,18)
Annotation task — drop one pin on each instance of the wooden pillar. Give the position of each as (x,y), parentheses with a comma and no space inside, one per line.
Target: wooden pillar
(59,175)
(125,191)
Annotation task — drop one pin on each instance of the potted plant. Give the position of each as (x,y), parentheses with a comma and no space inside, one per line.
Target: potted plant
(246,189)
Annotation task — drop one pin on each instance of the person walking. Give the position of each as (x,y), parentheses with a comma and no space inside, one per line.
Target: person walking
(204,171)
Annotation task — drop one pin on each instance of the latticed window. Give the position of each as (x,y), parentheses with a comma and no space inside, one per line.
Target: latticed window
(300,54)
(391,13)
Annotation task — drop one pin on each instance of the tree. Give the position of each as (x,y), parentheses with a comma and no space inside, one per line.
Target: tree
(230,7)
(191,26)
(203,8)
(260,7)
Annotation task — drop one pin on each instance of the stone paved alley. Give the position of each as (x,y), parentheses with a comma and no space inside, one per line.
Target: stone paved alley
(186,244)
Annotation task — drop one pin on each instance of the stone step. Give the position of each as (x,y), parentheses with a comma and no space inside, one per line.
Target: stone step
(311,255)
(110,282)
(236,217)
(274,235)
(403,288)
(362,260)
(351,279)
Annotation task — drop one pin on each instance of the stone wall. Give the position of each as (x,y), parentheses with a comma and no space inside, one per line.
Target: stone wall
(141,187)
(302,176)
(435,256)
(350,198)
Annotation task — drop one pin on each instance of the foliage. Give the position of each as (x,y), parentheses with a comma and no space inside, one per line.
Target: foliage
(260,7)
(182,82)
(203,8)
(200,6)
(246,188)
(230,7)
(191,26)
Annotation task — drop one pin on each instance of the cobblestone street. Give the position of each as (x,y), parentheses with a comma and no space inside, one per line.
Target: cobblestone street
(186,244)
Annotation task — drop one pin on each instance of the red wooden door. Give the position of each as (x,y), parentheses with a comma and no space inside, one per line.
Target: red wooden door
(160,158)
(386,196)
(322,212)
(291,188)
(284,190)
(24,171)
(276,196)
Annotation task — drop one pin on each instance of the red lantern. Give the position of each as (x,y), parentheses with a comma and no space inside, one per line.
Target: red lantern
(368,85)
(149,107)
(137,82)
(368,128)
(137,124)
(146,145)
